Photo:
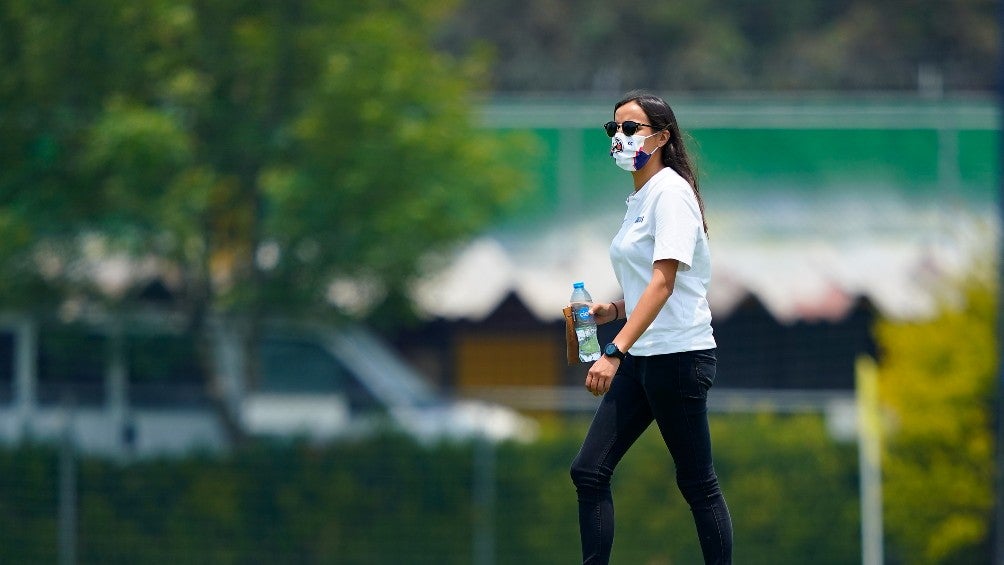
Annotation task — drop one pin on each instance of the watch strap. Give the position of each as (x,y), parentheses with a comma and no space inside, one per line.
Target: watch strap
(611,350)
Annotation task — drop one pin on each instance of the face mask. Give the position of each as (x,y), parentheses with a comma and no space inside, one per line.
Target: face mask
(627,152)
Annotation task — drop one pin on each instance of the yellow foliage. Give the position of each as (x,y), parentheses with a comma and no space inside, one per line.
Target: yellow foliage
(936,382)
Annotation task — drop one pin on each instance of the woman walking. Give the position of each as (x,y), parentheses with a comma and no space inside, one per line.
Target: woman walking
(661,364)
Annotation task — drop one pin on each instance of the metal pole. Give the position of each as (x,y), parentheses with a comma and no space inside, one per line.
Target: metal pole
(68,486)
(26,377)
(484,502)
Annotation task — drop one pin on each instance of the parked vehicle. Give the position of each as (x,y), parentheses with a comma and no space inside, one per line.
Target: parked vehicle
(137,386)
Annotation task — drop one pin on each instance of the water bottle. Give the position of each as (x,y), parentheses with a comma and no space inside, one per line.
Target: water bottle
(585,324)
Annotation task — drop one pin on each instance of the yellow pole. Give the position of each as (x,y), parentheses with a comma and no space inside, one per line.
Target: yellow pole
(869,460)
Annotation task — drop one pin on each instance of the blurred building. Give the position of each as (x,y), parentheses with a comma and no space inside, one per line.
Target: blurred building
(824,216)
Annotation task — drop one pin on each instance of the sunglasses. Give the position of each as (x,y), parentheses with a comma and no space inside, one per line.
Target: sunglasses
(628,127)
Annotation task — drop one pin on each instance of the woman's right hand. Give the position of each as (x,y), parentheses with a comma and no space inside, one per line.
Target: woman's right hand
(603,313)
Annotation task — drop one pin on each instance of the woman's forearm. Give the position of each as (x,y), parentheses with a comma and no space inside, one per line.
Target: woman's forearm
(649,304)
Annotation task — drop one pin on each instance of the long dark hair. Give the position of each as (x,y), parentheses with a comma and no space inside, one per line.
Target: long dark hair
(674,154)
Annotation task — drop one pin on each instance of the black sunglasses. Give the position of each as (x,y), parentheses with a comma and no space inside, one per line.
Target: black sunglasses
(628,127)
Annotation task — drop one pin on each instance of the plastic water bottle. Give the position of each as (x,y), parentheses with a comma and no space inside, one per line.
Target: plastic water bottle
(585,324)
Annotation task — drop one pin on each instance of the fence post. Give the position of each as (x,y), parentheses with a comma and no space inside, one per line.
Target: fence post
(997,534)
(68,485)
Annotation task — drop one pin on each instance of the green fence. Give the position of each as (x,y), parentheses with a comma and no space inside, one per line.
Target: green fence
(791,488)
(909,148)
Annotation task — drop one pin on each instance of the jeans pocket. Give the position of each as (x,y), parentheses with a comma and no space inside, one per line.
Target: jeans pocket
(701,375)
(705,369)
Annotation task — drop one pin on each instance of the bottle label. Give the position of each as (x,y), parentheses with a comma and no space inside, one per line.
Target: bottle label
(589,346)
(585,330)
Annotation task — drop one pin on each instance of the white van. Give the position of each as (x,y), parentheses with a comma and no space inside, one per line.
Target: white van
(135,386)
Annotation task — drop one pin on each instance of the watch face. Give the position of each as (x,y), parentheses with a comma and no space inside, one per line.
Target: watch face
(612,350)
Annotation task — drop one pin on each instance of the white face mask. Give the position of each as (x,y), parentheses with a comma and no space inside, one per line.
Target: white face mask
(627,151)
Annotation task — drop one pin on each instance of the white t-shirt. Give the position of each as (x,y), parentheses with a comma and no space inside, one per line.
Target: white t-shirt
(663,221)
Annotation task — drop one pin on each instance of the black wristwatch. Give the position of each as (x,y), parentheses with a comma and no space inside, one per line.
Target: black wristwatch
(611,350)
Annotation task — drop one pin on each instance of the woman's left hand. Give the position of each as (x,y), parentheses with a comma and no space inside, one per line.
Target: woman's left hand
(601,375)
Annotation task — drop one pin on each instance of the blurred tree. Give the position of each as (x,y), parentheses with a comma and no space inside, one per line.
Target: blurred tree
(936,379)
(264,149)
(264,158)
(776,45)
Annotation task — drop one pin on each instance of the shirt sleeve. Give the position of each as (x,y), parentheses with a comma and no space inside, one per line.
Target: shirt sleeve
(677,227)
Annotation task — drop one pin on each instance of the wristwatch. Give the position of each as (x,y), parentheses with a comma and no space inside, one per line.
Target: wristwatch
(611,350)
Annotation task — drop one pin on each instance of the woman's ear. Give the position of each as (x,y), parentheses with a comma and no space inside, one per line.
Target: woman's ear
(664,138)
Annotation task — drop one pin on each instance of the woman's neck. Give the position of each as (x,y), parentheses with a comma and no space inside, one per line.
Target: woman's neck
(646,173)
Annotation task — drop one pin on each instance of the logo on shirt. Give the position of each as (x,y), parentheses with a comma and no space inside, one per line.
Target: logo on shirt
(639,219)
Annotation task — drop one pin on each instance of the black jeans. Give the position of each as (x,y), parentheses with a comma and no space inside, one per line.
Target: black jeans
(672,390)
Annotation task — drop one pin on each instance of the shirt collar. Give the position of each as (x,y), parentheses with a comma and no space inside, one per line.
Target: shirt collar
(644,188)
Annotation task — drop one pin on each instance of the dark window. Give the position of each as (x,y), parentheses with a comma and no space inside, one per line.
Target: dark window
(71,366)
(164,370)
(298,366)
(6,366)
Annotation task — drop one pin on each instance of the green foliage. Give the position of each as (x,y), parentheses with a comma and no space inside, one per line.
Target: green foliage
(790,489)
(792,492)
(785,491)
(31,503)
(937,383)
(257,151)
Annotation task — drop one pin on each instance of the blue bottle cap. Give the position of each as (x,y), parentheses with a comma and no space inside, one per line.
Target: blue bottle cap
(578,285)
